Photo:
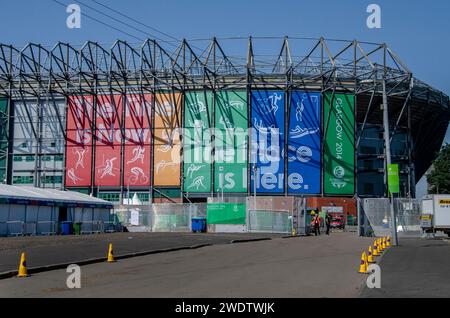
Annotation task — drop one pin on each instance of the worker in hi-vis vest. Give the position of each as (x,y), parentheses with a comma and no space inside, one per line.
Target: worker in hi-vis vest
(316,223)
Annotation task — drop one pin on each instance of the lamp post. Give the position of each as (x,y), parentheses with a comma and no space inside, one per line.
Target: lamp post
(387,142)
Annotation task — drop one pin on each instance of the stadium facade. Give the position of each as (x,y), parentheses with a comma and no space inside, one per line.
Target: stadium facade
(181,122)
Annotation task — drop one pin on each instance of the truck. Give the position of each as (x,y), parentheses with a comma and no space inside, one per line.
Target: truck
(435,214)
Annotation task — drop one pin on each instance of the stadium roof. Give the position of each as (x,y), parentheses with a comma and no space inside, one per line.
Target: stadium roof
(36,196)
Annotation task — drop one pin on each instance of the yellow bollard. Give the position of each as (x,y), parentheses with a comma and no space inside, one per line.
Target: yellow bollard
(110,254)
(388,242)
(23,266)
(370,259)
(375,249)
(384,243)
(363,265)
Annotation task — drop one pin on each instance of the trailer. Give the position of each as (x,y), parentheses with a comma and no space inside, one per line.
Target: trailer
(435,214)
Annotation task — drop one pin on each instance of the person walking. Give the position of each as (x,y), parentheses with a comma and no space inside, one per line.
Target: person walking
(328,220)
(316,224)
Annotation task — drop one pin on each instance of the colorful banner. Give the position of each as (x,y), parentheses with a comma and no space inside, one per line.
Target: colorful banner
(137,158)
(167,150)
(304,148)
(394,178)
(231,150)
(108,141)
(79,141)
(339,144)
(267,140)
(197,142)
(226,213)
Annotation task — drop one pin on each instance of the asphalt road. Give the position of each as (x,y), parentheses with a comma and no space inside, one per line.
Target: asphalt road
(298,267)
(416,268)
(44,251)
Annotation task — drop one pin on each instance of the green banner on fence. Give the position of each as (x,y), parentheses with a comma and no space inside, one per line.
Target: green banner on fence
(197,142)
(393,179)
(226,213)
(231,122)
(339,144)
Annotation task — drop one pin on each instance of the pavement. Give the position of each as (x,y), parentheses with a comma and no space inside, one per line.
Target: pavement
(296,267)
(47,251)
(416,268)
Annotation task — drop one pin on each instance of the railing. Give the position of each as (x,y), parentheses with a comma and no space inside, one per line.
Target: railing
(20,228)
(97,227)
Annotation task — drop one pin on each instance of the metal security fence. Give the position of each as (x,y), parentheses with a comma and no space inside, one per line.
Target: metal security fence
(377,217)
(159,217)
(260,221)
(408,216)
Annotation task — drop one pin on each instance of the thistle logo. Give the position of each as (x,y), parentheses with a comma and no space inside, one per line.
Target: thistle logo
(339,174)
(74,19)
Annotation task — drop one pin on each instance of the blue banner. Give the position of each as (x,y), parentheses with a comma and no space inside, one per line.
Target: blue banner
(304,147)
(267,138)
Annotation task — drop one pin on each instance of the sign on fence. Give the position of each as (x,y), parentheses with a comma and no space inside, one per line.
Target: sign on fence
(226,213)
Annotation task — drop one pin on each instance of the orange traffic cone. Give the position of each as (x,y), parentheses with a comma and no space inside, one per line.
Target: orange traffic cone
(110,254)
(363,265)
(23,266)
(375,249)
(370,259)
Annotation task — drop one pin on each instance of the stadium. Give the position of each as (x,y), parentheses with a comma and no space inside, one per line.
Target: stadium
(119,121)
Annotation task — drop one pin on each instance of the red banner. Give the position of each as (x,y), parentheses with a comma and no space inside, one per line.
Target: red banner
(137,140)
(108,141)
(79,141)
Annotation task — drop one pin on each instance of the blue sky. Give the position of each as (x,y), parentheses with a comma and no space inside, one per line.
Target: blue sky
(417,30)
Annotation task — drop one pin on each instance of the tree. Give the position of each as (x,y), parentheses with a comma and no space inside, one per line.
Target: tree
(439,177)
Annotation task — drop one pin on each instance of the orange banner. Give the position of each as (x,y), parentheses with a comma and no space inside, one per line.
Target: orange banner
(167,140)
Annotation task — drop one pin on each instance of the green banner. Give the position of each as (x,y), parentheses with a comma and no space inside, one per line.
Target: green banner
(231,123)
(226,213)
(339,144)
(197,142)
(393,179)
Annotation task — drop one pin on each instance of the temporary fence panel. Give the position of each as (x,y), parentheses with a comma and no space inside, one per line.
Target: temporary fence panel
(378,213)
(271,203)
(408,213)
(159,217)
(230,142)
(260,221)
(304,146)
(267,141)
(339,144)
